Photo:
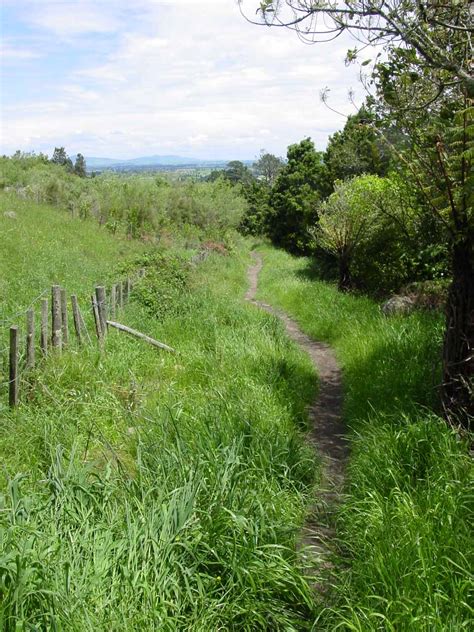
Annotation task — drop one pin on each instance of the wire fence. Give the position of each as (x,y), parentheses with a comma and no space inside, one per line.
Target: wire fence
(58,317)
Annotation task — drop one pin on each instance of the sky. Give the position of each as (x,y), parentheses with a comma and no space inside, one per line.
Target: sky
(130,78)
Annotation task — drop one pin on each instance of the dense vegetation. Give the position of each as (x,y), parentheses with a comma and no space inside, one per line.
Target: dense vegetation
(420,106)
(129,470)
(404,530)
(145,206)
(142,490)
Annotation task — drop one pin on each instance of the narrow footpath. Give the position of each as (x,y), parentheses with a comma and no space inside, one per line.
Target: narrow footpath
(326,434)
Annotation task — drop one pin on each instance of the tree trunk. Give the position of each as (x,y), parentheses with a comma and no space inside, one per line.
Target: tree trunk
(457,393)
(345,280)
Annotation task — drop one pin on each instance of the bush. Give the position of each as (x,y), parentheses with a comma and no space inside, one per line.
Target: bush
(165,280)
(370,225)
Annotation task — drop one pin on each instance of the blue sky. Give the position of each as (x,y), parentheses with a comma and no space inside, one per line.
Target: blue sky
(190,77)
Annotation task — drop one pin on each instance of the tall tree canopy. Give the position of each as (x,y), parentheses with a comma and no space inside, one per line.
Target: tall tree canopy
(80,166)
(60,157)
(355,150)
(424,84)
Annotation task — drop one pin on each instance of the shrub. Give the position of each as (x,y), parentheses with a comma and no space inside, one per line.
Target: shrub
(165,280)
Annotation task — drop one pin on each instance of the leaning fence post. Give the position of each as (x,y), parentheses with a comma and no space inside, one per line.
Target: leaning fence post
(95,311)
(84,326)
(56,337)
(13,384)
(76,316)
(30,338)
(102,307)
(64,323)
(44,327)
(128,284)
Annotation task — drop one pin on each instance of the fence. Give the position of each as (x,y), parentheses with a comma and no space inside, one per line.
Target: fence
(55,338)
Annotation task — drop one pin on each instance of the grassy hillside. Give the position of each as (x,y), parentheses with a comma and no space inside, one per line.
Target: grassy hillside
(145,490)
(405,526)
(42,245)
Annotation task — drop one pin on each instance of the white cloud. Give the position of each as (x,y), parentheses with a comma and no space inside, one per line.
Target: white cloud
(187,76)
(71,19)
(13,53)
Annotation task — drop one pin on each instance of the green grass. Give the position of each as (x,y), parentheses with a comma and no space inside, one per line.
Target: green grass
(148,491)
(42,246)
(404,527)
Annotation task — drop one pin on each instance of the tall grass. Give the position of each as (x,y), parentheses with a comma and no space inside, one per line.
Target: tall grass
(404,527)
(42,245)
(140,206)
(145,491)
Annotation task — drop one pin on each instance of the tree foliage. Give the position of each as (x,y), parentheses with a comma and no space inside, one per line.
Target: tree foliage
(347,219)
(436,31)
(255,219)
(61,158)
(355,150)
(424,84)
(80,166)
(237,172)
(268,167)
(294,197)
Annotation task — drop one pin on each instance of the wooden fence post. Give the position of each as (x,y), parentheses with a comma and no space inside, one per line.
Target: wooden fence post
(124,292)
(84,327)
(56,337)
(95,311)
(128,284)
(13,385)
(44,327)
(102,307)
(119,294)
(64,323)
(30,338)
(113,300)
(76,318)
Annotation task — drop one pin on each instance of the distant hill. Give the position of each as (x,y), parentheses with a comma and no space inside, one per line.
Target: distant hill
(94,163)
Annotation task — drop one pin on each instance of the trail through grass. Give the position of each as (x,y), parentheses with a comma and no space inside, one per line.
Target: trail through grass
(405,527)
(145,491)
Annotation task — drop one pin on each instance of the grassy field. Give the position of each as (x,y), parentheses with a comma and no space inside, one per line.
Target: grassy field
(148,491)
(42,245)
(142,490)
(405,525)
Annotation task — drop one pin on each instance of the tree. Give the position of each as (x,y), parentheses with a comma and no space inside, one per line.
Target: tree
(255,219)
(438,160)
(61,158)
(437,31)
(348,218)
(236,172)
(356,150)
(294,198)
(268,167)
(426,80)
(80,166)
(367,225)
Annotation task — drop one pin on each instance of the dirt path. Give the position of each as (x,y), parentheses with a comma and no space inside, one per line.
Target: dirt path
(327,431)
